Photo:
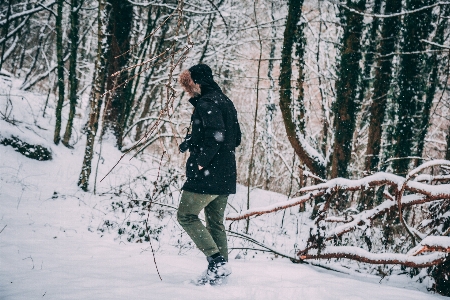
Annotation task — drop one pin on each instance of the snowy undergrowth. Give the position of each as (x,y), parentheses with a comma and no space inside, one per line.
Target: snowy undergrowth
(55,242)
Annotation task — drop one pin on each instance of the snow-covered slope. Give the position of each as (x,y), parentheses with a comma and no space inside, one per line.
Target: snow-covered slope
(50,247)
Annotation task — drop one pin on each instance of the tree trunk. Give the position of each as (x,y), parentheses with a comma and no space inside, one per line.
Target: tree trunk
(381,86)
(300,53)
(347,84)
(383,75)
(325,114)
(5,33)
(434,63)
(60,68)
(98,89)
(119,32)
(312,162)
(411,84)
(369,57)
(447,149)
(73,79)
(270,106)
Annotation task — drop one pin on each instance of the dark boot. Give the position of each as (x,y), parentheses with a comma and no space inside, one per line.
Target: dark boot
(218,270)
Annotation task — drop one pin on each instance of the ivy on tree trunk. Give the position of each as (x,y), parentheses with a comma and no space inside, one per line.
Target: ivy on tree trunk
(347,84)
(434,64)
(382,84)
(411,83)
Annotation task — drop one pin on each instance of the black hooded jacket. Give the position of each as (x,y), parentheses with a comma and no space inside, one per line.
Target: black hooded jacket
(215,135)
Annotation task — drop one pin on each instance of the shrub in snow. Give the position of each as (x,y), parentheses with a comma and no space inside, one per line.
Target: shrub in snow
(140,206)
(37,152)
(441,275)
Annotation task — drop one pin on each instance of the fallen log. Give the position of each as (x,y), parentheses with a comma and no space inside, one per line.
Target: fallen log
(358,254)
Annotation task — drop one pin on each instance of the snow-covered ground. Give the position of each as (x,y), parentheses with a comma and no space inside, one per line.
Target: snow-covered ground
(50,247)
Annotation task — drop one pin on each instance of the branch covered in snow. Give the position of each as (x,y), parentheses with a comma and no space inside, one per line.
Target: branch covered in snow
(432,244)
(432,192)
(358,254)
(273,207)
(396,14)
(367,216)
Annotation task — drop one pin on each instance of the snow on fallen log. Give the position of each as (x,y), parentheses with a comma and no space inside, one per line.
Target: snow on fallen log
(273,207)
(367,216)
(435,191)
(432,244)
(430,178)
(358,254)
(357,184)
(423,193)
(353,220)
(431,163)
(441,191)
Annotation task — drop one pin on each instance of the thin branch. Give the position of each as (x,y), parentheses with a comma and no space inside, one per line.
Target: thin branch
(27,12)
(436,44)
(148,216)
(392,15)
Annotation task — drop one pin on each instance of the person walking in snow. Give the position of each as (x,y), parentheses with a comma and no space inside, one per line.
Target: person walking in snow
(210,168)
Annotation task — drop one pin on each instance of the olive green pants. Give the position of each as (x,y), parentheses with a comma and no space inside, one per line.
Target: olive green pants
(212,238)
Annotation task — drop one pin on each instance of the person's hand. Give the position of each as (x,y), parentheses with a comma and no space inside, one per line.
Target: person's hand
(200,167)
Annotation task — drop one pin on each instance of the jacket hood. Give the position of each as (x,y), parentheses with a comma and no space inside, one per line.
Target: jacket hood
(202,74)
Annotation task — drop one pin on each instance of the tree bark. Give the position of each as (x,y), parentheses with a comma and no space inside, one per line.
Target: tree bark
(60,70)
(411,83)
(434,63)
(5,33)
(73,79)
(346,104)
(447,150)
(369,57)
(383,76)
(119,101)
(98,88)
(270,106)
(294,13)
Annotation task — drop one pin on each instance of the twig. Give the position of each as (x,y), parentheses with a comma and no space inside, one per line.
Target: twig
(3,228)
(252,240)
(393,15)
(435,44)
(148,216)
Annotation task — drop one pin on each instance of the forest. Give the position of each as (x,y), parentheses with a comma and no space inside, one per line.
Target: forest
(344,108)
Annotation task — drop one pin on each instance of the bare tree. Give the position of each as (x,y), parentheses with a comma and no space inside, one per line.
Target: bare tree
(96,97)
(60,69)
